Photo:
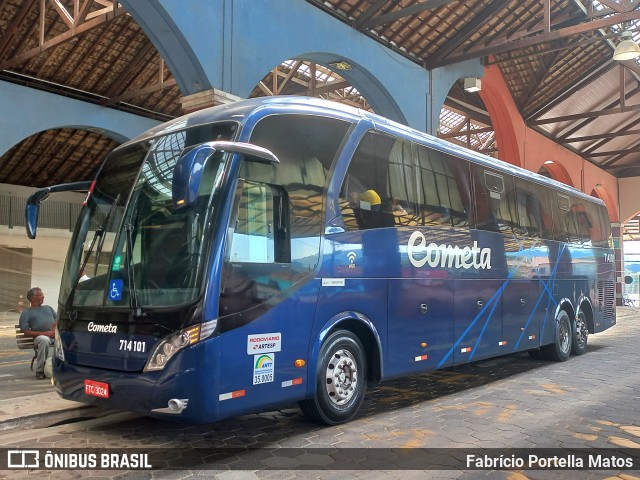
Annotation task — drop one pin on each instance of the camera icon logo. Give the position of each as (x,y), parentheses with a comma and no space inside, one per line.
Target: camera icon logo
(23,459)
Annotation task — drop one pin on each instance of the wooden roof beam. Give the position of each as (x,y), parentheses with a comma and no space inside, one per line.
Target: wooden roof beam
(467,31)
(63,13)
(600,136)
(59,39)
(579,116)
(369,12)
(141,92)
(13,26)
(610,105)
(506,46)
(624,152)
(403,12)
(118,83)
(81,12)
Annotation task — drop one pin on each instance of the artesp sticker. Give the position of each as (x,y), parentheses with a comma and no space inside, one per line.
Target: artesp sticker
(264,343)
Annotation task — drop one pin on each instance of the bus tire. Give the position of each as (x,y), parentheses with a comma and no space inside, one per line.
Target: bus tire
(560,349)
(580,335)
(341,380)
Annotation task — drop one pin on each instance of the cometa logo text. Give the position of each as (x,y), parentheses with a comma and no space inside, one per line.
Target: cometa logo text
(446,256)
(93,327)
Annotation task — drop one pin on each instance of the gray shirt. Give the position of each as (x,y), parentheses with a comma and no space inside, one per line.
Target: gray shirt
(38,319)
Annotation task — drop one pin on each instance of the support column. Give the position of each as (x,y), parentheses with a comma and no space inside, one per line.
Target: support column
(205,99)
(616,232)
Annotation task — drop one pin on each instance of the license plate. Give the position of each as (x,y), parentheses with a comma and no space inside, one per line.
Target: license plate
(96,389)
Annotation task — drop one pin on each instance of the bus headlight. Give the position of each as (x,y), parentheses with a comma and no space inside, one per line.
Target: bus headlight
(171,345)
(57,345)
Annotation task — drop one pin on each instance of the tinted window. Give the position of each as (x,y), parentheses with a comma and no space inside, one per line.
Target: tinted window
(365,197)
(495,200)
(443,194)
(533,207)
(277,219)
(565,220)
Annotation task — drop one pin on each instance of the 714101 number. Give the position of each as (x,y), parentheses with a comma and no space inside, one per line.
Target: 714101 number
(133,346)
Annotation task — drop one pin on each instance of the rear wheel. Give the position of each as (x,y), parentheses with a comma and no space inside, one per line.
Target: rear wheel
(341,380)
(580,335)
(560,349)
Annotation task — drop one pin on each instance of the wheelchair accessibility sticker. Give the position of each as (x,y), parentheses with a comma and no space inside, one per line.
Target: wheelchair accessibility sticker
(115,290)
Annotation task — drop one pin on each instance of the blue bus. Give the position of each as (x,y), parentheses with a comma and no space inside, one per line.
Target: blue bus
(292,249)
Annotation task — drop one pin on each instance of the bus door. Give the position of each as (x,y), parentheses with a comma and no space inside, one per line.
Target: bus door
(523,304)
(526,299)
(478,306)
(477,319)
(420,325)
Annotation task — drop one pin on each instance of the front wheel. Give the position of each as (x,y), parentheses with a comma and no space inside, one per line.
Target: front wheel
(341,380)
(560,349)
(580,335)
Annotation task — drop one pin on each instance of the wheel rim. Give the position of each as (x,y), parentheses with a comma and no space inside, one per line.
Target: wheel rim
(565,336)
(341,377)
(581,331)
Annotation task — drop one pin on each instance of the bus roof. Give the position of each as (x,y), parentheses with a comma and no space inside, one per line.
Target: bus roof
(242,110)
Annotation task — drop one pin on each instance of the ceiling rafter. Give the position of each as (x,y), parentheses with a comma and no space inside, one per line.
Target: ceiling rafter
(543,69)
(626,151)
(131,94)
(117,85)
(598,136)
(607,106)
(467,31)
(611,163)
(506,46)
(98,49)
(83,27)
(403,12)
(592,114)
(12,29)
(571,90)
(369,12)
(289,75)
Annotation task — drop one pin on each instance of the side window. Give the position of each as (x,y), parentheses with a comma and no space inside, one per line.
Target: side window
(364,197)
(256,265)
(584,222)
(402,187)
(534,215)
(260,233)
(565,225)
(306,146)
(606,240)
(495,200)
(442,193)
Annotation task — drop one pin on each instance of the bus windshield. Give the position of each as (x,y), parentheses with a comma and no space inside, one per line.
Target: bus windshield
(136,246)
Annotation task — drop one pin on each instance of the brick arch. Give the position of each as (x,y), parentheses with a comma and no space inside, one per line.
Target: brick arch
(557,172)
(599,191)
(504,115)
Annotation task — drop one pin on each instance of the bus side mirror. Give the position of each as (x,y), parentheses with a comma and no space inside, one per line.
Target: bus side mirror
(187,174)
(32,211)
(32,208)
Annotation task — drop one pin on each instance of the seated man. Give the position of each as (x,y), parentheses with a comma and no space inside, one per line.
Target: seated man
(39,321)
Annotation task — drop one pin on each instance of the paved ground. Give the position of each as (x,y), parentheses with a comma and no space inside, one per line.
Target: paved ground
(588,402)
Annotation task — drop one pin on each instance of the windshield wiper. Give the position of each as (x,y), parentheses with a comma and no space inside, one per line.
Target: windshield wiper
(100,233)
(133,292)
